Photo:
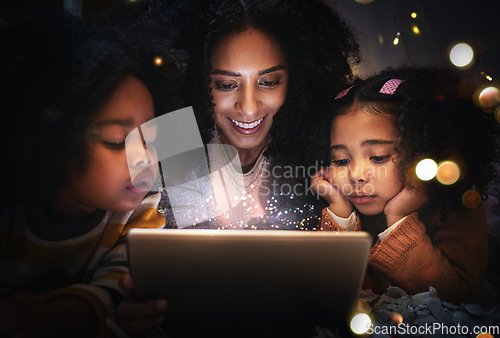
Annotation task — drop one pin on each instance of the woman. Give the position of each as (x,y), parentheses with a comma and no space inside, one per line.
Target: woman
(257,72)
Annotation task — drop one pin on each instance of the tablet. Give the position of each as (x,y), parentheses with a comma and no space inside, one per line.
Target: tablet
(250,274)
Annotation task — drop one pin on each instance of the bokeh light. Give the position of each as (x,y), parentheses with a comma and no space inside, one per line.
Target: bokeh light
(448,172)
(158,61)
(416,30)
(396,318)
(413,15)
(484,335)
(461,55)
(471,199)
(381,39)
(360,323)
(426,169)
(489,99)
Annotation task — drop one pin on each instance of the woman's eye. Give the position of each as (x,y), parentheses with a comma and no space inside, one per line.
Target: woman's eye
(269,84)
(114,145)
(226,86)
(380,159)
(342,162)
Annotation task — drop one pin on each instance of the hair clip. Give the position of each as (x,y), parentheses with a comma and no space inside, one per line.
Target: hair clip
(343,92)
(390,86)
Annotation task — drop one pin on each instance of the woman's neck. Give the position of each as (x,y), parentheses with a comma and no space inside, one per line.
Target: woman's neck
(248,157)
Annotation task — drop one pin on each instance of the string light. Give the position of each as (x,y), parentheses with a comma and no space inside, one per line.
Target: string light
(396,39)
(413,15)
(489,78)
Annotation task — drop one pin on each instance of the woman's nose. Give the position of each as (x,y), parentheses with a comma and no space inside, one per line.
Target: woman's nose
(248,101)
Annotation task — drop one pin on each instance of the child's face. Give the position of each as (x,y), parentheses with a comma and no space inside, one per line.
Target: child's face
(363,159)
(106,182)
(249,84)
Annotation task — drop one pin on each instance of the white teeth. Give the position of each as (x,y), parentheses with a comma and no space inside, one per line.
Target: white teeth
(247,125)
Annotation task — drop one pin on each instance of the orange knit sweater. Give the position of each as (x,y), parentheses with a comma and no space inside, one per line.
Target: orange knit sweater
(424,251)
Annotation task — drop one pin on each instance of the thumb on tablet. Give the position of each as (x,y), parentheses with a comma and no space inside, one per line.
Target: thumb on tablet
(126,283)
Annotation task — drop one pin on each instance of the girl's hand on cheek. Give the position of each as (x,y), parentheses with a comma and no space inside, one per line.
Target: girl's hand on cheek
(407,201)
(325,187)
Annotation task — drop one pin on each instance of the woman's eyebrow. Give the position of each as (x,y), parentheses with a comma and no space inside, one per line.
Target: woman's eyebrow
(270,70)
(236,74)
(225,72)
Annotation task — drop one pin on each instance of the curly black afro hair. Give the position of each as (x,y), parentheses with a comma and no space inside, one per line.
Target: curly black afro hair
(319,45)
(57,71)
(436,118)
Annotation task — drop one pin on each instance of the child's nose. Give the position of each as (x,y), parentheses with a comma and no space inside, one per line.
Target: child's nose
(359,172)
(138,156)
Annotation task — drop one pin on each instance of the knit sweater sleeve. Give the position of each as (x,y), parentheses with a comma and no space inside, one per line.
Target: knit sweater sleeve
(451,258)
(328,224)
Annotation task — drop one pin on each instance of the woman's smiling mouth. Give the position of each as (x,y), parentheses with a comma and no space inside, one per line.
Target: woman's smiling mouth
(247,128)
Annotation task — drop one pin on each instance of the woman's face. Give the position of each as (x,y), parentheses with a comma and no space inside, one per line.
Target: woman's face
(249,81)
(364,159)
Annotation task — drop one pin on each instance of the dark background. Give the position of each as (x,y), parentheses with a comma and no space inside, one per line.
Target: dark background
(442,23)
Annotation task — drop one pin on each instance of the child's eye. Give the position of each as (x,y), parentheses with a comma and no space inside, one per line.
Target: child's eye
(380,159)
(226,86)
(342,162)
(114,145)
